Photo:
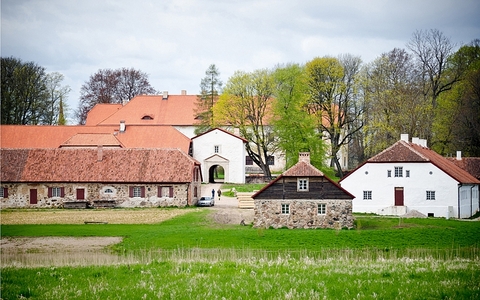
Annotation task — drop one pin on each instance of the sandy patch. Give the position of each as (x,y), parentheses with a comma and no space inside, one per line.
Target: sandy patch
(111,216)
(46,244)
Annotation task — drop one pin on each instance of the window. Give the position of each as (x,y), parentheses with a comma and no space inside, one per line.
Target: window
(248,161)
(398,171)
(271,160)
(56,192)
(3,192)
(165,191)
(108,191)
(407,173)
(216,149)
(285,209)
(367,195)
(389,173)
(302,184)
(136,191)
(430,195)
(322,209)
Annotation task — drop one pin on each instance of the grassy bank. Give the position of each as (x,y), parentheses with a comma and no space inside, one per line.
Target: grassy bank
(196,230)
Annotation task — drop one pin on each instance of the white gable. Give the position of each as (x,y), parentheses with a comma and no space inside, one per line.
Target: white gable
(218,147)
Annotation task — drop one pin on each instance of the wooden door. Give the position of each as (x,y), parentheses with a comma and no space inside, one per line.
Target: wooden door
(33,196)
(399,196)
(80,194)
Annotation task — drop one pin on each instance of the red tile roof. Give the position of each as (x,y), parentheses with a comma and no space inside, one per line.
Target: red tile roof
(403,151)
(100,112)
(35,136)
(115,165)
(469,164)
(92,140)
(303,169)
(24,136)
(153,110)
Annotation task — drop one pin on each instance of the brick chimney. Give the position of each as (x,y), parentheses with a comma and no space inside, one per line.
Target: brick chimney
(304,156)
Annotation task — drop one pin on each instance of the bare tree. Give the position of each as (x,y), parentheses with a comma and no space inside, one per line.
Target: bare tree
(56,97)
(111,86)
(432,50)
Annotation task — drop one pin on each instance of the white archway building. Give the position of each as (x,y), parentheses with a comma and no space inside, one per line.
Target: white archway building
(218,147)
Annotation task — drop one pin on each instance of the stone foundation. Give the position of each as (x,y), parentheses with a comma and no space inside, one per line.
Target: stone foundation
(19,195)
(303,214)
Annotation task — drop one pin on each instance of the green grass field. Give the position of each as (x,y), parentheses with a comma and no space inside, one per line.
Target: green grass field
(190,257)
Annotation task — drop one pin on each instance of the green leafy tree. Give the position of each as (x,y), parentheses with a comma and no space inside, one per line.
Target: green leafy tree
(294,128)
(210,89)
(246,104)
(23,90)
(332,100)
(457,121)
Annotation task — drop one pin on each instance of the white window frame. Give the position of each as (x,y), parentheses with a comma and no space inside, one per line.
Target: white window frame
(367,195)
(2,192)
(430,195)
(216,149)
(321,209)
(56,192)
(137,191)
(398,171)
(302,184)
(285,209)
(389,173)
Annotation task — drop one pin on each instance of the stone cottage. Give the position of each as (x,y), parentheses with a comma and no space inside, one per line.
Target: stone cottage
(303,197)
(82,177)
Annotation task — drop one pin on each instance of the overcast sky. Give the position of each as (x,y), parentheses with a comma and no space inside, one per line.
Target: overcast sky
(174,42)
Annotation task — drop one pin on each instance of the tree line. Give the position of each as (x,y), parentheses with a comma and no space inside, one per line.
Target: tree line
(429,90)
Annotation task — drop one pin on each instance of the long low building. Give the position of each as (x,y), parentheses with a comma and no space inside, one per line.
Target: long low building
(120,177)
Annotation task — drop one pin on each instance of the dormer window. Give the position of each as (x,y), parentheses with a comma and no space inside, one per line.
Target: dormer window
(147,117)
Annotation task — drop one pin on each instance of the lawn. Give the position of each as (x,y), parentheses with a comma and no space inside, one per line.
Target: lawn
(191,257)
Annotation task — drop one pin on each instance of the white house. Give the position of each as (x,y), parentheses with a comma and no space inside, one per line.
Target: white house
(220,148)
(409,176)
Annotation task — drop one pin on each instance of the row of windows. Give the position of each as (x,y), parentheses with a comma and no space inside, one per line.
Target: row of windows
(398,172)
(134,191)
(367,195)
(321,209)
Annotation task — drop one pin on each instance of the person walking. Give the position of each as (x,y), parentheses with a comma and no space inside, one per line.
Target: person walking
(213,193)
(219,192)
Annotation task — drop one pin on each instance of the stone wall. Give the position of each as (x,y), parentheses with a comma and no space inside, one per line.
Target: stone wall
(19,195)
(303,214)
